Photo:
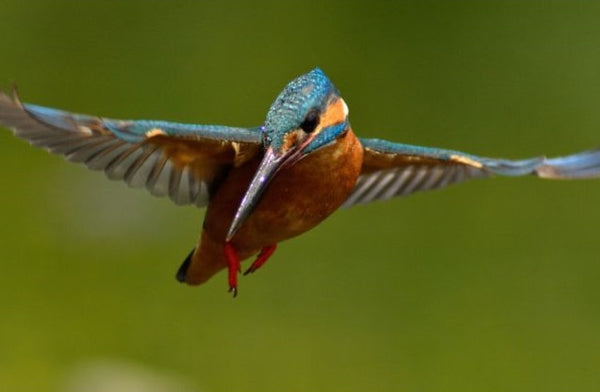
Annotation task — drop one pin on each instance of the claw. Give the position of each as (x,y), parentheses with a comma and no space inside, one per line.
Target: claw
(233,264)
(234,290)
(262,258)
(250,270)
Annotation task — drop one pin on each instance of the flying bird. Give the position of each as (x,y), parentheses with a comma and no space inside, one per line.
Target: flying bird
(264,184)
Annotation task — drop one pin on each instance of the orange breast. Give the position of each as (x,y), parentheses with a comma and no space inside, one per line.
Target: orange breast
(298,198)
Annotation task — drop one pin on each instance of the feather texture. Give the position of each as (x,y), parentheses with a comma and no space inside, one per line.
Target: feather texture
(180,161)
(393,169)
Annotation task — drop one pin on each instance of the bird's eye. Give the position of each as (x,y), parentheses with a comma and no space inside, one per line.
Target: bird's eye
(310,121)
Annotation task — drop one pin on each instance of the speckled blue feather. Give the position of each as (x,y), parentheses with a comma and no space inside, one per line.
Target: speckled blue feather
(311,90)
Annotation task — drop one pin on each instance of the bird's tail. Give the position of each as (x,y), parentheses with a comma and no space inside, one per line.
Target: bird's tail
(203,262)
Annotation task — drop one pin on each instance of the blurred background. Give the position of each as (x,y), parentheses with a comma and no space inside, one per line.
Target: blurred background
(490,285)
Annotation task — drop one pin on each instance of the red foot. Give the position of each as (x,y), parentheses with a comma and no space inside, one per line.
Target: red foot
(262,258)
(233,264)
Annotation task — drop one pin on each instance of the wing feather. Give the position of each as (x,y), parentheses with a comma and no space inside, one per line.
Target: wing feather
(181,161)
(393,169)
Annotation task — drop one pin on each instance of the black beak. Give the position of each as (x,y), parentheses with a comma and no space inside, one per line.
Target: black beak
(269,165)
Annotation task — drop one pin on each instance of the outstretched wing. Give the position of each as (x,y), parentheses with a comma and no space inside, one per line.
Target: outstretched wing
(178,160)
(393,169)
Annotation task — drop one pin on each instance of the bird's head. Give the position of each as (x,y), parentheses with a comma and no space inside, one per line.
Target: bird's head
(306,116)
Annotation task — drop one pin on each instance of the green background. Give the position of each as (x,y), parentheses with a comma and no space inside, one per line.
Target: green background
(487,286)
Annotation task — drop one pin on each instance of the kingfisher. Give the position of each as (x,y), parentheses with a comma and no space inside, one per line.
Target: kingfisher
(262,185)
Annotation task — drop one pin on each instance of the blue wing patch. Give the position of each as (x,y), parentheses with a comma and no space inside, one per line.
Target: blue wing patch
(135,131)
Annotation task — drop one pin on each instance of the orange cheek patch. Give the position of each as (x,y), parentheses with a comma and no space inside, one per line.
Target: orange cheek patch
(334,114)
(290,140)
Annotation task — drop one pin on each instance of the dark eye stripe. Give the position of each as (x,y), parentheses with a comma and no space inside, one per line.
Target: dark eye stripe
(310,121)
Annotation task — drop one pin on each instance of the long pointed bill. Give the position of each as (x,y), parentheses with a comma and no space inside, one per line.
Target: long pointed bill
(264,174)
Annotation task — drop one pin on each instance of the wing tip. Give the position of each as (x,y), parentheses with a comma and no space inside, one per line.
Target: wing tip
(581,165)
